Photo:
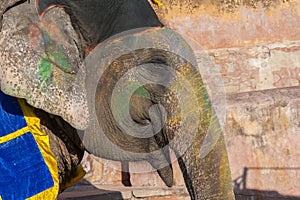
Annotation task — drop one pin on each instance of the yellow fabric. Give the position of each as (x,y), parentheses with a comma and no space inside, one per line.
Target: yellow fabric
(14,135)
(42,139)
(158,2)
(79,174)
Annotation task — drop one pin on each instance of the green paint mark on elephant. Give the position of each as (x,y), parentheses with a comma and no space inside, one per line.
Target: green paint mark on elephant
(44,71)
(60,60)
(142,91)
(129,92)
(46,64)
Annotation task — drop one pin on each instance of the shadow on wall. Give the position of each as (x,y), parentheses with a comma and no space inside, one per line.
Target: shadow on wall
(85,191)
(243,193)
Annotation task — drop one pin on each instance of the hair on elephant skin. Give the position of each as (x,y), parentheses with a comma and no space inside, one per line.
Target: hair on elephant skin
(98,25)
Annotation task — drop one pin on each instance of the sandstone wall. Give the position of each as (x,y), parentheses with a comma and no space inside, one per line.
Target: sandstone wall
(262,134)
(254,45)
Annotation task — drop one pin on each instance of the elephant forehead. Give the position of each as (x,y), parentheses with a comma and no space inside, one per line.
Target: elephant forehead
(127,78)
(40,62)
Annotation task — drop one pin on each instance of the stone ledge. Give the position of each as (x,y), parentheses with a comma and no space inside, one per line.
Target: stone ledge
(124,193)
(274,110)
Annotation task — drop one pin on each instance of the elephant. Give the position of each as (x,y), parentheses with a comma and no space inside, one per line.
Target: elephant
(129,90)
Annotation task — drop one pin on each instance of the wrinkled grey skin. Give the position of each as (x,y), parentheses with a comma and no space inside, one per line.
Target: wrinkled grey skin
(64,140)
(28,46)
(4,5)
(206,178)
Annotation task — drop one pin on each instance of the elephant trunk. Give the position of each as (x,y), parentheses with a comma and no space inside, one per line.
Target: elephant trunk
(150,97)
(209,177)
(193,132)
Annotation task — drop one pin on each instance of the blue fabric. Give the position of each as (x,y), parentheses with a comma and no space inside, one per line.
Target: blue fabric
(23,171)
(11,116)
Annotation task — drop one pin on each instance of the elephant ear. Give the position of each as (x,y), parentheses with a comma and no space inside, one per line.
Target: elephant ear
(40,62)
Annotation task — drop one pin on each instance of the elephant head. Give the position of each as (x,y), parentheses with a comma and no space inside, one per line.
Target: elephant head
(136,95)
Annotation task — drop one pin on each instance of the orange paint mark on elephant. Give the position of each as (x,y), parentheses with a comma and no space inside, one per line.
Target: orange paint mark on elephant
(35,36)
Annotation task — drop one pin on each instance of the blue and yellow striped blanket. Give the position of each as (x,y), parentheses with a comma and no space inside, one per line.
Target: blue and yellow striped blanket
(28,169)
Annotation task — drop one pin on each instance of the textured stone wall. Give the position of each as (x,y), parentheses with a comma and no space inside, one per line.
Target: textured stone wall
(233,23)
(259,67)
(262,134)
(254,45)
